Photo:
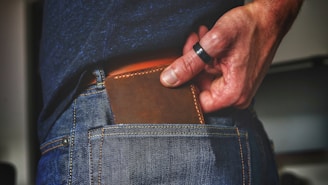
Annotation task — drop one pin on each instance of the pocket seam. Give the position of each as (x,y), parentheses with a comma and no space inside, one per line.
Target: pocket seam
(44,147)
(240,135)
(217,131)
(244,161)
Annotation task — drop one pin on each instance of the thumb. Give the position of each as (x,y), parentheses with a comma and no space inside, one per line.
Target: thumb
(182,70)
(187,66)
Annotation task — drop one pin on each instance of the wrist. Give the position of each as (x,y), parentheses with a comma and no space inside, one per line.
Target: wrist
(275,17)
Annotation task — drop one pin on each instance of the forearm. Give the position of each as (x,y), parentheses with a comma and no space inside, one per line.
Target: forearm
(275,15)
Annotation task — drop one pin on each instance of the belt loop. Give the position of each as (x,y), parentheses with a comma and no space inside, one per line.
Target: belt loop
(99,73)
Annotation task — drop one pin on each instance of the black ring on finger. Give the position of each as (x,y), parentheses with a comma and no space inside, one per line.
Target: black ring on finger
(206,58)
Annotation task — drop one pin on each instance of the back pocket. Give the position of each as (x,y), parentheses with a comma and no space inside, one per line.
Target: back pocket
(168,154)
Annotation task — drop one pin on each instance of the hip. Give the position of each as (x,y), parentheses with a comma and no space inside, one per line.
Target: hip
(86,146)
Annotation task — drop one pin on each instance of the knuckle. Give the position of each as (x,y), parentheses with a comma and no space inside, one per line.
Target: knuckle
(215,37)
(188,67)
(218,38)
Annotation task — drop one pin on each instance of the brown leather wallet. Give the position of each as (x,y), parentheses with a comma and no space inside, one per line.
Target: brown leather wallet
(138,97)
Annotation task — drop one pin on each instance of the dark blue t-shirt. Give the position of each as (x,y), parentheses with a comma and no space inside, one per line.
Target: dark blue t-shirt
(77,35)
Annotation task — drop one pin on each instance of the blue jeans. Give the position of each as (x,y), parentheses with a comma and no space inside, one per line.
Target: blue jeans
(84,147)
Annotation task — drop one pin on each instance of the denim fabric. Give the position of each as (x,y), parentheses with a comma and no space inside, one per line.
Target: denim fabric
(84,33)
(84,147)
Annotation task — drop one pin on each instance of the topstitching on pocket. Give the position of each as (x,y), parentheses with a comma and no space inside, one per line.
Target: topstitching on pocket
(62,141)
(169,154)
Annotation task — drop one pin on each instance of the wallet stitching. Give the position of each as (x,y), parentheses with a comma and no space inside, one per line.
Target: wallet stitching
(153,70)
(131,74)
(200,117)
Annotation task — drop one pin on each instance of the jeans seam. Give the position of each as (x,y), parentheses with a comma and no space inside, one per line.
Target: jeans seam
(241,156)
(165,134)
(100,157)
(248,160)
(92,93)
(169,126)
(101,79)
(52,142)
(70,170)
(44,148)
(91,160)
(52,148)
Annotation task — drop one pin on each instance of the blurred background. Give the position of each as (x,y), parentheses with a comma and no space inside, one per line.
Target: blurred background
(292,101)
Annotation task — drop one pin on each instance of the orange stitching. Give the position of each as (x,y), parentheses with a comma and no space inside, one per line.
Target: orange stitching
(241,156)
(128,75)
(200,116)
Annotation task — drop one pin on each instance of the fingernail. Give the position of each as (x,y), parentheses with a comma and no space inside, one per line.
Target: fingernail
(169,78)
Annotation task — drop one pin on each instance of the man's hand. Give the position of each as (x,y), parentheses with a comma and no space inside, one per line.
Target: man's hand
(243,43)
